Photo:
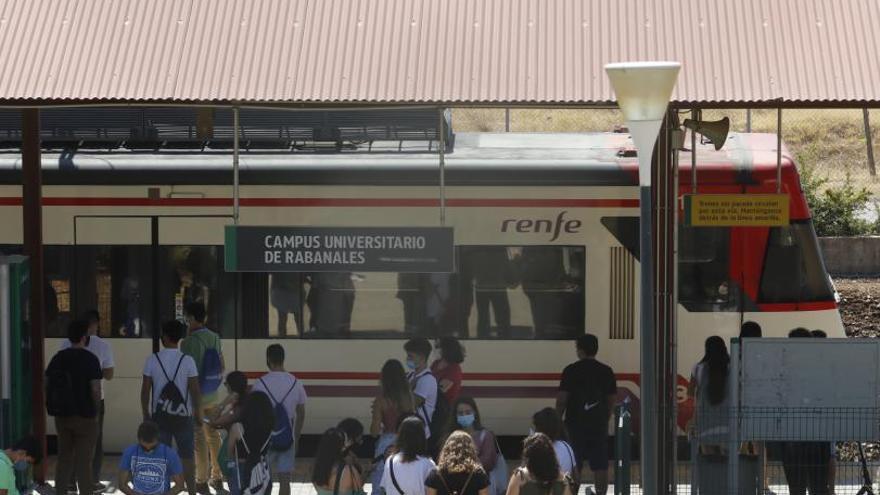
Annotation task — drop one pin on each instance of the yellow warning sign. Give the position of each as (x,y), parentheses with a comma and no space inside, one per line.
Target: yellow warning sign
(736,210)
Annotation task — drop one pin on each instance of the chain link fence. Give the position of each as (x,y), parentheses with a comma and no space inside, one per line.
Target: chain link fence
(831,142)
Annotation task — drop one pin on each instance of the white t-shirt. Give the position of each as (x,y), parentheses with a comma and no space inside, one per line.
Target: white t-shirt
(101,349)
(565,456)
(425,386)
(279,383)
(170,358)
(410,476)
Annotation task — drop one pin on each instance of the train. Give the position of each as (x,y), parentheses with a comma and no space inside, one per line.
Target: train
(545,233)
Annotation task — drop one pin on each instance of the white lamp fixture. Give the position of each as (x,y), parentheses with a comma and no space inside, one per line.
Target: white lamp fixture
(643,90)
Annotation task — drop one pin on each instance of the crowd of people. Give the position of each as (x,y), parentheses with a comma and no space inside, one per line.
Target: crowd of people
(429,437)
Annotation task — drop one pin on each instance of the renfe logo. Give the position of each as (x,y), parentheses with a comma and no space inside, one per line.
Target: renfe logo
(542,226)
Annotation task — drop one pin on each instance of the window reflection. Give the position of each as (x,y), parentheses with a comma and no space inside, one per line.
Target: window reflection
(111,279)
(497,292)
(196,274)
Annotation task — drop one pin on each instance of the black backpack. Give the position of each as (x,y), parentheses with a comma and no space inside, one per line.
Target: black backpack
(59,393)
(440,416)
(170,411)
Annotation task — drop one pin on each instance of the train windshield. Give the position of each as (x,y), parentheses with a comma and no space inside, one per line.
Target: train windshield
(793,267)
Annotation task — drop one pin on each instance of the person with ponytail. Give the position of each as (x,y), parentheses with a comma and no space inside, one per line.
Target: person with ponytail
(539,473)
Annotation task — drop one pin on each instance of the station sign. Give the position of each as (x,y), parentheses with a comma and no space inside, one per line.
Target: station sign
(338,249)
(736,210)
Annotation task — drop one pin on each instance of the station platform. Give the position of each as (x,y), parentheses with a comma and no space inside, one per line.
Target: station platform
(849,480)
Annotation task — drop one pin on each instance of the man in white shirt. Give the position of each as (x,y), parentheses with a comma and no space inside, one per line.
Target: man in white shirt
(283,388)
(172,366)
(422,382)
(101,349)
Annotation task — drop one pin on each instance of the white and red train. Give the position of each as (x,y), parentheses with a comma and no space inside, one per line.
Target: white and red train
(545,228)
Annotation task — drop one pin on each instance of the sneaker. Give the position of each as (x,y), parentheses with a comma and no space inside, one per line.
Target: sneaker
(217,485)
(100,488)
(202,489)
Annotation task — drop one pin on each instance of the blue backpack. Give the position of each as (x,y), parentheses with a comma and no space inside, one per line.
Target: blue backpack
(282,434)
(211,374)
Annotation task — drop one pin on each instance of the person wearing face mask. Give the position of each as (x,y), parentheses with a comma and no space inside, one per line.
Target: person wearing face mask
(150,467)
(18,458)
(467,419)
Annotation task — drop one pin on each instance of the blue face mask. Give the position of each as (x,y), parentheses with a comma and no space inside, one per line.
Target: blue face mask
(465,420)
(410,364)
(21,465)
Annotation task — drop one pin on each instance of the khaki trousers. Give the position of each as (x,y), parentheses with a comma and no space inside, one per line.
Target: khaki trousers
(76,447)
(207,446)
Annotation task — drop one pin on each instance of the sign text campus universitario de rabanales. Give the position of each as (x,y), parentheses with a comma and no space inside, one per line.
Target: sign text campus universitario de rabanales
(338,249)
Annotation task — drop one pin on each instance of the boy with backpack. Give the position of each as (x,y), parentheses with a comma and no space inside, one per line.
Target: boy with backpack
(204,346)
(152,467)
(169,393)
(431,405)
(73,395)
(288,397)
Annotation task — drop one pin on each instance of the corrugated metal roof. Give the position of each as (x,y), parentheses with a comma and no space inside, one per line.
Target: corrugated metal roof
(434,51)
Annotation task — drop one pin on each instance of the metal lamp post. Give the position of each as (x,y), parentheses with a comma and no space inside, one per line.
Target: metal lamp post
(643,90)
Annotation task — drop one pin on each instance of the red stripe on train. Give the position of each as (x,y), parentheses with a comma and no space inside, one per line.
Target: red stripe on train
(333,202)
(371,375)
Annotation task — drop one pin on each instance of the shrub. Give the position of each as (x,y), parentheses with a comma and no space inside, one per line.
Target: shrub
(836,210)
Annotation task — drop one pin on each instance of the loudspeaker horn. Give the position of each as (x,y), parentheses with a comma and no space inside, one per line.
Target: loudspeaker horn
(716,131)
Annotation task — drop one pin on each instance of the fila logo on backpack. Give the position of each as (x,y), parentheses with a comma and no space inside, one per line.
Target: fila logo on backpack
(282,433)
(170,411)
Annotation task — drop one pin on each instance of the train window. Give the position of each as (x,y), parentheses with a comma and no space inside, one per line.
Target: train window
(498,292)
(196,274)
(522,292)
(115,280)
(793,267)
(704,282)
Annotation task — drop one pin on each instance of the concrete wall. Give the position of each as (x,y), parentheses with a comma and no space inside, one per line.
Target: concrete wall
(848,256)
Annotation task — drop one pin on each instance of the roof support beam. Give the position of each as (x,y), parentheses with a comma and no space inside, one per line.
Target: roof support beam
(32,213)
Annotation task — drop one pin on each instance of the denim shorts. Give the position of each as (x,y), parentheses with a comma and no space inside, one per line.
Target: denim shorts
(184,438)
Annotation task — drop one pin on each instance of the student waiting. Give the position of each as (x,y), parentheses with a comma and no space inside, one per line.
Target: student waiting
(150,467)
(22,455)
(288,397)
(73,397)
(169,395)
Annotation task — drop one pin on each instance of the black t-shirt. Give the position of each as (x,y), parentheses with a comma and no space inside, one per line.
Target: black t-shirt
(456,481)
(588,383)
(82,367)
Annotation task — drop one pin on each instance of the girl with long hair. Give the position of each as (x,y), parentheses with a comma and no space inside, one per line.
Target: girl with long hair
(458,469)
(467,418)
(248,442)
(539,473)
(332,474)
(709,424)
(394,402)
(548,422)
(405,472)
